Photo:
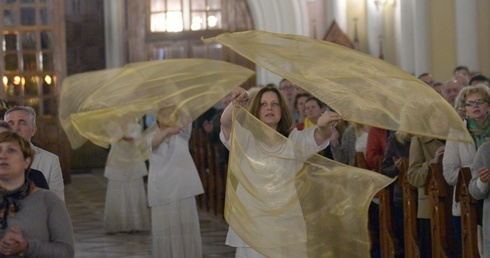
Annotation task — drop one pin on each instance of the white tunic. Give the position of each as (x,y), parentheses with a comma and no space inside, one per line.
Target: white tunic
(172,174)
(304,138)
(126,206)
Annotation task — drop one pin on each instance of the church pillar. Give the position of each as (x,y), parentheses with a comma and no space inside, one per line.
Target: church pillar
(375,26)
(336,10)
(278,16)
(115,46)
(466,33)
(421,37)
(404,35)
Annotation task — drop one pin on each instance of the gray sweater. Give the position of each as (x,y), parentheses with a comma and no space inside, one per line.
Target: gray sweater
(45,224)
(345,151)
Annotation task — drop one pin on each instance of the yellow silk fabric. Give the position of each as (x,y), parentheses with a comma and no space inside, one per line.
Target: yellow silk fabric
(284,200)
(364,89)
(89,101)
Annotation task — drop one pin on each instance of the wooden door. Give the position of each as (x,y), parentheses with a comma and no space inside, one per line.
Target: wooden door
(85,52)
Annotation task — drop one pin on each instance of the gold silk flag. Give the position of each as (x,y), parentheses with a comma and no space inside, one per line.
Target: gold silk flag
(91,102)
(364,89)
(284,200)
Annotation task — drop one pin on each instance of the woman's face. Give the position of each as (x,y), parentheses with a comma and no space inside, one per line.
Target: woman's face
(476,106)
(313,110)
(270,109)
(302,106)
(12,162)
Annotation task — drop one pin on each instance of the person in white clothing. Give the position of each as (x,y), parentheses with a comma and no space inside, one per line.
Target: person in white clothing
(23,121)
(173,183)
(126,205)
(270,106)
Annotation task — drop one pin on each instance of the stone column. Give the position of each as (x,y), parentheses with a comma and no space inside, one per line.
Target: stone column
(115,40)
(466,33)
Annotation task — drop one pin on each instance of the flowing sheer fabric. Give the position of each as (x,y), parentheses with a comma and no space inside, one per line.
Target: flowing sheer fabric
(286,201)
(89,101)
(364,89)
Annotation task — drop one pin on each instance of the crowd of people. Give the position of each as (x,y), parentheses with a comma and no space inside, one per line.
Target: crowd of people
(35,221)
(468,93)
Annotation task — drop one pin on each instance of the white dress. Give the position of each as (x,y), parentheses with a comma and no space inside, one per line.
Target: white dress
(255,151)
(126,208)
(173,183)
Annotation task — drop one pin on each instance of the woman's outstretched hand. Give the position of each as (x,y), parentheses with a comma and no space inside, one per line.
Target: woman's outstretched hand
(329,119)
(239,95)
(326,126)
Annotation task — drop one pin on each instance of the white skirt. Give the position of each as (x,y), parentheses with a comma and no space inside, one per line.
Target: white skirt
(175,230)
(126,206)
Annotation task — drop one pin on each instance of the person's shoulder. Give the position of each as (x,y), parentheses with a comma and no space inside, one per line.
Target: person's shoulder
(485,146)
(43,152)
(47,195)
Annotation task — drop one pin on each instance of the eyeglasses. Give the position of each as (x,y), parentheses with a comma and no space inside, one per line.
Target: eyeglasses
(473,102)
(273,104)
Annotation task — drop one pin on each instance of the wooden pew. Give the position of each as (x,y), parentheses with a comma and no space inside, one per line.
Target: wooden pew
(389,242)
(195,149)
(440,194)
(220,184)
(410,194)
(469,213)
(360,162)
(211,174)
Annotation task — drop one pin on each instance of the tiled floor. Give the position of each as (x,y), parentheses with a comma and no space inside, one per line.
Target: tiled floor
(85,198)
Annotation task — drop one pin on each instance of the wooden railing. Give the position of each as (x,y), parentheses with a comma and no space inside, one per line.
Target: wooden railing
(440,194)
(213,176)
(390,246)
(469,214)
(212,173)
(360,162)
(412,246)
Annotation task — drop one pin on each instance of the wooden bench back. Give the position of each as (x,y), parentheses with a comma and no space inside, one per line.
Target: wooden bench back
(469,214)
(440,195)
(410,195)
(390,246)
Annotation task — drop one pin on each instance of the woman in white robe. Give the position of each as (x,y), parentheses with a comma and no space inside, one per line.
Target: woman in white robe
(173,183)
(270,107)
(126,207)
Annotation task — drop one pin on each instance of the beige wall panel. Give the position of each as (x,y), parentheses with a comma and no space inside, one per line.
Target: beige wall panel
(484,36)
(389,41)
(443,38)
(356,9)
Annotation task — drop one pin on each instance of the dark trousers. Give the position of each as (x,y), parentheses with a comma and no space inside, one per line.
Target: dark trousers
(398,225)
(424,238)
(373,224)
